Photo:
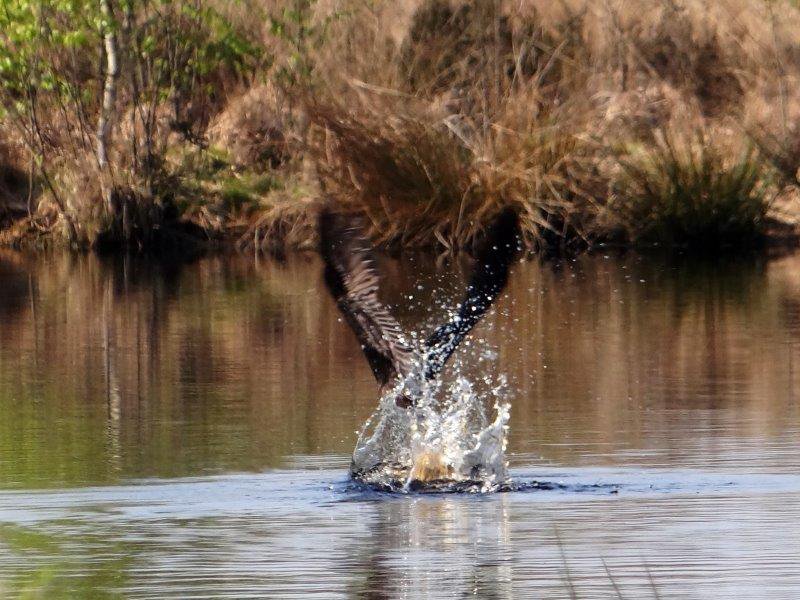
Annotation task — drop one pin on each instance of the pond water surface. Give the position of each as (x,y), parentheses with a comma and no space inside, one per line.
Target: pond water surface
(175,430)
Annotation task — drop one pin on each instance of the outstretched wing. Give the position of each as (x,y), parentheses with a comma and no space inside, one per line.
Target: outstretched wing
(489,277)
(353,282)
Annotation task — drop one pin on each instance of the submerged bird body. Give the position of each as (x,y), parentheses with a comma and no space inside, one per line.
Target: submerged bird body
(400,367)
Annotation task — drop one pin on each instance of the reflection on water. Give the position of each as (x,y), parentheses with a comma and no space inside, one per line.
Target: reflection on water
(184,430)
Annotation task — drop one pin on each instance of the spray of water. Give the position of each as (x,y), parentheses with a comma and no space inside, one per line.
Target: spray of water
(425,432)
(453,438)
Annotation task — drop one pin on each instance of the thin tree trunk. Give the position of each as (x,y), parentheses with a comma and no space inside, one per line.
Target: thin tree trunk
(31,172)
(109,98)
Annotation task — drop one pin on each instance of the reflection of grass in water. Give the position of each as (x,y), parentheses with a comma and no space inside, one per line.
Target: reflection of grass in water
(168,341)
(53,571)
(75,423)
(21,539)
(569,582)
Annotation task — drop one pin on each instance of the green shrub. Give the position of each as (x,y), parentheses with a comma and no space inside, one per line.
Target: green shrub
(693,195)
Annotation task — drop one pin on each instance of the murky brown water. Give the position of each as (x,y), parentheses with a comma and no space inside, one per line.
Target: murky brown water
(184,431)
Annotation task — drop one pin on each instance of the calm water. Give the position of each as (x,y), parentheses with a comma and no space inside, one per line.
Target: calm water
(184,431)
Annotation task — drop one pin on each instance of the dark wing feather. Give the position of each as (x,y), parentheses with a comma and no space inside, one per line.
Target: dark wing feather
(353,282)
(489,277)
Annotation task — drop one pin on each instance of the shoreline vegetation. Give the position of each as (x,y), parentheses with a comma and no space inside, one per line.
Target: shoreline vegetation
(151,124)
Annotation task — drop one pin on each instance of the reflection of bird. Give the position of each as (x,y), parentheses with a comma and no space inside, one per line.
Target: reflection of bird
(352,280)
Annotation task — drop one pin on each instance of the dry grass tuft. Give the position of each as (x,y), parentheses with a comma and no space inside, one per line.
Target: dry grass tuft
(254,128)
(422,180)
(288,223)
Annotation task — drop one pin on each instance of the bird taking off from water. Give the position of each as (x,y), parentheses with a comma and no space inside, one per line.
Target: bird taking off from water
(352,279)
(400,365)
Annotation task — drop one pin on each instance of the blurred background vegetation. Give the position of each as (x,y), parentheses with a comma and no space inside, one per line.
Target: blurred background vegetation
(152,123)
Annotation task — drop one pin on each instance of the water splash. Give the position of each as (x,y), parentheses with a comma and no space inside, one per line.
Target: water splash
(448,440)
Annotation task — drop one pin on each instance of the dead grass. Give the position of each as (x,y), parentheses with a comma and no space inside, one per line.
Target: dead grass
(254,128)
(528,103)
(426,116)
